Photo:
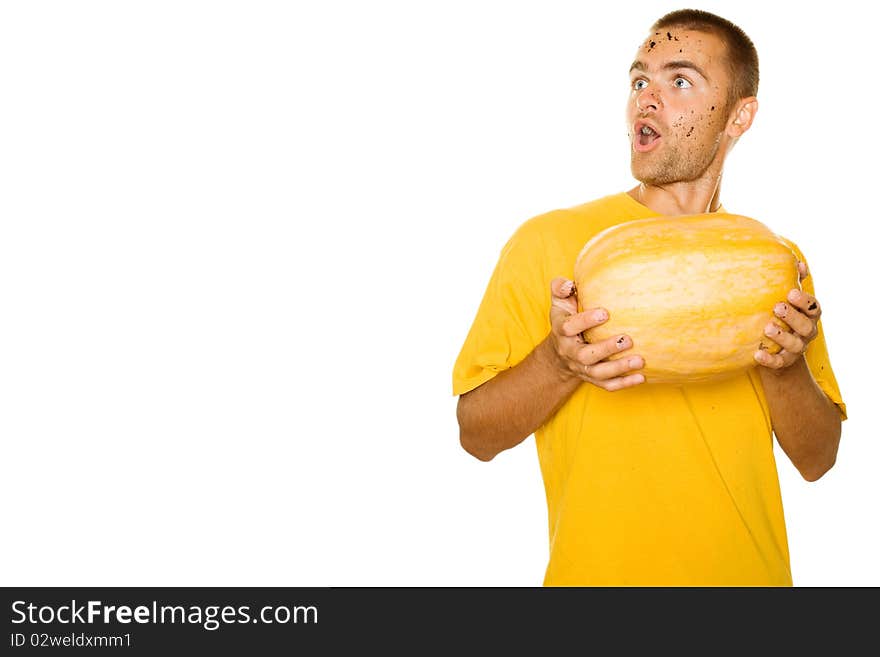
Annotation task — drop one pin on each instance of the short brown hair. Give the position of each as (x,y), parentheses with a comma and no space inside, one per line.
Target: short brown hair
(742,57)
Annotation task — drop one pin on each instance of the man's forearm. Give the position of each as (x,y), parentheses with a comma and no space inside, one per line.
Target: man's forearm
(505,410)
(805,421)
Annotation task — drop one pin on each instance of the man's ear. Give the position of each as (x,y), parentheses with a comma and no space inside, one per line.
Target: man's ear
(743,117)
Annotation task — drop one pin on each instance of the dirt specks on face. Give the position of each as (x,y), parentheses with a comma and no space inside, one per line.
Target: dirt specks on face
(690,130)
(651,46)
(713,109)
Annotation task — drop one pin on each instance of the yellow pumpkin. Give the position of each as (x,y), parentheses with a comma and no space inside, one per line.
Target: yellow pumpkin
(693,292)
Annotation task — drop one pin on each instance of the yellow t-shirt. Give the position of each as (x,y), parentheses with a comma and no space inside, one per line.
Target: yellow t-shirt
(655,485)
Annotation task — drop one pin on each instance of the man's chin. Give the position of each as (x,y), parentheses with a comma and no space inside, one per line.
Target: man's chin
(641,173)
(648,179)
(652,176)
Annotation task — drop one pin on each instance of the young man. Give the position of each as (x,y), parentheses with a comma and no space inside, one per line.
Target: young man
(659,484)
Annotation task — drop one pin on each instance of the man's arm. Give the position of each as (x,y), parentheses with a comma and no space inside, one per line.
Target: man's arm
(505,410)
(806,422)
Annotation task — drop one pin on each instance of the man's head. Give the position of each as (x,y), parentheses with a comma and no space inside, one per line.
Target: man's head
(693,82)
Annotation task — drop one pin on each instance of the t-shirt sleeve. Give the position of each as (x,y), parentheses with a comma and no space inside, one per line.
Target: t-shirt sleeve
(512,318)
(817,351)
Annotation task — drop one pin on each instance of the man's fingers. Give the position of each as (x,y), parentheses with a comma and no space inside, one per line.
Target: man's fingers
(803,270)
(589,361)
(792,343)
(806,303)
(621,382)
(562,288)
(776,361)
(580,322)
(561,310)
(593,353)
(800,323)
(610,369)
(563,301)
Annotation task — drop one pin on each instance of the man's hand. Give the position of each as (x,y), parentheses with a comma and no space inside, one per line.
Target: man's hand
(588,361)
(801,313)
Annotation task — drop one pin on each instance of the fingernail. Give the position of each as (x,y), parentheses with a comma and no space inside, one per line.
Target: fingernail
(566,288)
(640,378)
(621,342)
(771,329)
(600,315)
(780,309)
(635,363)
(794,295)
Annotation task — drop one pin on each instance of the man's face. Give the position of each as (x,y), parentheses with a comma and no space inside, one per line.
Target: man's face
(678,87)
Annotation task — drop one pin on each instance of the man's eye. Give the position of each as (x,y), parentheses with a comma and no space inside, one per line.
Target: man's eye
(637,83)
(686,84)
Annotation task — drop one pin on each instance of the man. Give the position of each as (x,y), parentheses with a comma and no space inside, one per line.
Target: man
(651,484)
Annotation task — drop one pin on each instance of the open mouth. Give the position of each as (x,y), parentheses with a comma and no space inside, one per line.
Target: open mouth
(646,138)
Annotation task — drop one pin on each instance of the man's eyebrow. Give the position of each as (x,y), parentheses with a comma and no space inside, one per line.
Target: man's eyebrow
(639,65)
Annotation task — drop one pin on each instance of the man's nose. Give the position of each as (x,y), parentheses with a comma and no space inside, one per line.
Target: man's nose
(647,99)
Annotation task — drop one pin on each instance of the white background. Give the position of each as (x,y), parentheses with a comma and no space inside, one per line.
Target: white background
(241,244)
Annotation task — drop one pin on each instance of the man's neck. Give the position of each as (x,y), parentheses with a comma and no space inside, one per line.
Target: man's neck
(679,198)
